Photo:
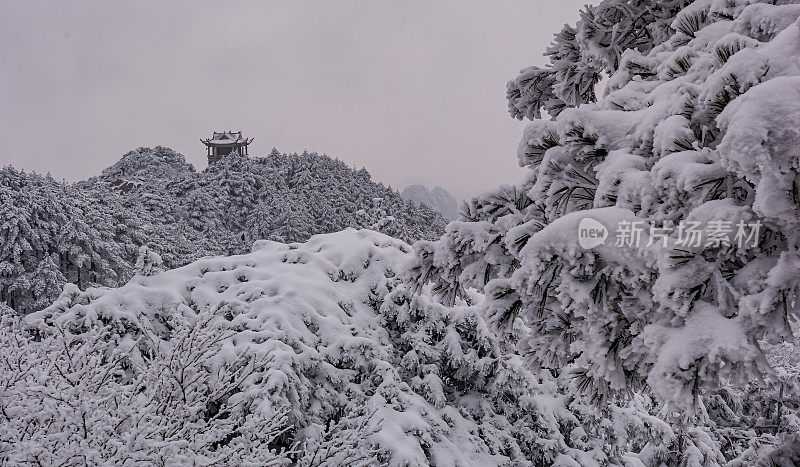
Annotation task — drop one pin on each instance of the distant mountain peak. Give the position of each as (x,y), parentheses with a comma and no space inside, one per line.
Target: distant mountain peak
(437,198)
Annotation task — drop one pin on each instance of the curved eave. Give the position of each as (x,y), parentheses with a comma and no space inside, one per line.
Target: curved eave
(211,142)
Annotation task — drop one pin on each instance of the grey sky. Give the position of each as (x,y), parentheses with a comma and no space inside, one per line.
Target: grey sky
(414,91)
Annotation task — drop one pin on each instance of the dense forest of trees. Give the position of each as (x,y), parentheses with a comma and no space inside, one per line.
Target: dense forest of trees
(89,233)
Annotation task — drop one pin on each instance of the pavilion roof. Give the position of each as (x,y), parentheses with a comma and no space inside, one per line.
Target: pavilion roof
(227,137)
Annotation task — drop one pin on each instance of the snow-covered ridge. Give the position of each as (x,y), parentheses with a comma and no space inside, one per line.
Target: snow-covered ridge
(334,337)
(89,233)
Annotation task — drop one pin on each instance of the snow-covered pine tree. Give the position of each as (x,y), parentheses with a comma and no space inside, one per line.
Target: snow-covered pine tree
(148,262)
(697,124)
(51,233)
(580,55)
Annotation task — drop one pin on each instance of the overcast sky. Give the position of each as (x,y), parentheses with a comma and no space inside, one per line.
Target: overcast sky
(413,91)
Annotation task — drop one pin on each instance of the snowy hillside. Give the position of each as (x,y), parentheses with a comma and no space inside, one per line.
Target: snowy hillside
(438,198)
(89,233)
(285,197)
(315,353)
(319,345)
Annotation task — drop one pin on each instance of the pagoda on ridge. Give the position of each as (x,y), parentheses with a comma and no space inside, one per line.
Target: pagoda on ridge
(223,143)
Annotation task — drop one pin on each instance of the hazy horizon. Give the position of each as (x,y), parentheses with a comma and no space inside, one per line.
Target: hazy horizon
(414,92)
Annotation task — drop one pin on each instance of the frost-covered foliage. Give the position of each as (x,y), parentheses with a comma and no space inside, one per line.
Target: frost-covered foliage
(148,262)
(90,233)
(85,397)
(313,353)
(580,55)
(698,124)
(52,233)
(282,197)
